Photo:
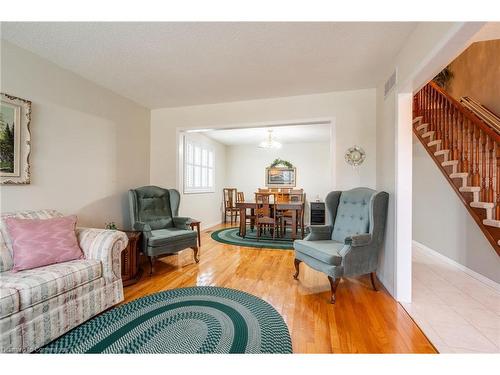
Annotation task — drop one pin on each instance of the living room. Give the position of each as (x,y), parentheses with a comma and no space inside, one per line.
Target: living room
(142,143)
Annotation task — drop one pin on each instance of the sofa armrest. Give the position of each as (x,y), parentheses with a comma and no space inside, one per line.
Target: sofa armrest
(319,232)
(359,240)
(181,222)
(106,246)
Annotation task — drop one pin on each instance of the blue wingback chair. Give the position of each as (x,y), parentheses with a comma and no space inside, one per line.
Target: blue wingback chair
(350,245)
(154,211)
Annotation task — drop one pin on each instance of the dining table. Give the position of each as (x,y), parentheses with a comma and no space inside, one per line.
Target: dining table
(294,207)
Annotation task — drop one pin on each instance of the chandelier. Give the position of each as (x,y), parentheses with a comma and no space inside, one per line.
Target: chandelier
(270,142)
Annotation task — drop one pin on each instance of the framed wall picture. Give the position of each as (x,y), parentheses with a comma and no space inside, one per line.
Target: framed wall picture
(281,177)
(15,138)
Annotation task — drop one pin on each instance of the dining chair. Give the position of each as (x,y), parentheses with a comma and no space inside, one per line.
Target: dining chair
(229,205)
(265,215)
(295,195)
(280,198)
(249,214)
(240,196)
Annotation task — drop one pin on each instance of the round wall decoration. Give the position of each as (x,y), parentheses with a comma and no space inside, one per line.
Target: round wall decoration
(355,156)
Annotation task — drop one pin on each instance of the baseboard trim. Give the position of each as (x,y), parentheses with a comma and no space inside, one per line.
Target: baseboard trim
(488,282)
(388,286)
(211,225)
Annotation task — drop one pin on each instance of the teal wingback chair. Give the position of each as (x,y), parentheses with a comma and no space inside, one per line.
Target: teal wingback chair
(350,245)
(154,211)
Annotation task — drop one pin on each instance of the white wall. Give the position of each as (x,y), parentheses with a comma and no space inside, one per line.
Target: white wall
(206,207)
(436,205)
(386,181)
(89,145)
(428,49)
(352,111)
(246,165)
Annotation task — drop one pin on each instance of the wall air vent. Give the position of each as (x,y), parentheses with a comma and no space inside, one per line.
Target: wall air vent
(390,83)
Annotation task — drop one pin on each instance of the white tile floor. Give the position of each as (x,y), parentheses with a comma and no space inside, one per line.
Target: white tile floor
(458,313)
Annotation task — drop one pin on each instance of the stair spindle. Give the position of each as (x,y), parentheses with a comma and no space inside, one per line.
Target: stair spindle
(461,144)
(482,160)
(428,112)
(436,115)
(491,191)
(454,136)
(476,180)
(497,188)
(465,147)
(446,126)
(439,117)
(432,112)
(451,130)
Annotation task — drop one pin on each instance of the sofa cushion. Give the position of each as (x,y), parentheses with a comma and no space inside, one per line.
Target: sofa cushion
(40,284)
(353,214)
(153,207)
(6,261)
(40,242)
(9,301)
(162,237)
(326,251)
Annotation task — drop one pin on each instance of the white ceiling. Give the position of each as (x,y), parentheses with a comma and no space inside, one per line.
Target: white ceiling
(282,134)
(165,64)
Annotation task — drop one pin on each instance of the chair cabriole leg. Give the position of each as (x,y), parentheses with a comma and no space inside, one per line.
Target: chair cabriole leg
(195,251)
(151,264)
(372,277)
(296,262)
(334,282)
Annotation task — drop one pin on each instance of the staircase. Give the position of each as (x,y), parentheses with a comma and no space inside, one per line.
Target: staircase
(466,150)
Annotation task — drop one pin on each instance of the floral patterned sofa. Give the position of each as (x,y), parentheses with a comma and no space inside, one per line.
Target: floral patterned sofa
(41,304)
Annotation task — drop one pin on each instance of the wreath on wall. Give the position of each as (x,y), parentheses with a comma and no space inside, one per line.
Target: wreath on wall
(279,162)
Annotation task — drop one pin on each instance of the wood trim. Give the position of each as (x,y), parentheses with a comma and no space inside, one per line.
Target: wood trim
(475,216)
(470,116)
(479,277)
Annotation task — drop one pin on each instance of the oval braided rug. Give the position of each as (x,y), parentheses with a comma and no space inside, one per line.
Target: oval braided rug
(231,236)
(187,320)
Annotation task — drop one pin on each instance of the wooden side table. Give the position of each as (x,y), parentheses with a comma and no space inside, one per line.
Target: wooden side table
(193,224)
(131,270)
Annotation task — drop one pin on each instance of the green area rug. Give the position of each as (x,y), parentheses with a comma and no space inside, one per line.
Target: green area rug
(187,320)
(231,236)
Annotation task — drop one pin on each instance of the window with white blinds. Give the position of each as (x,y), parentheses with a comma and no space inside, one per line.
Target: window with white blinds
(198,167)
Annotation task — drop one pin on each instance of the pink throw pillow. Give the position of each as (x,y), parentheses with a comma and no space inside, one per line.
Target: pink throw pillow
(40,242)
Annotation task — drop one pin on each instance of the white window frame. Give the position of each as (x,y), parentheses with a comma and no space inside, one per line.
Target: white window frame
(203,163)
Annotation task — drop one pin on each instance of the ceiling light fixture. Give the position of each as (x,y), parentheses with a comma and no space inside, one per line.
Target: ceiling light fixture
(270,142)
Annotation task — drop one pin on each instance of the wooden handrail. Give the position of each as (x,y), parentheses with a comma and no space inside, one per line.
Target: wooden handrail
(464,111)
(472,150)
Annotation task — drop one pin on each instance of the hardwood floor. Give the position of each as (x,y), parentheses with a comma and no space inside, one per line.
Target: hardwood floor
(361,321)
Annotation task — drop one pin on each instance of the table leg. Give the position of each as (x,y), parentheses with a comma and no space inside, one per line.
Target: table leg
(252,221)
(294,224)
(243,220)
(199,235)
